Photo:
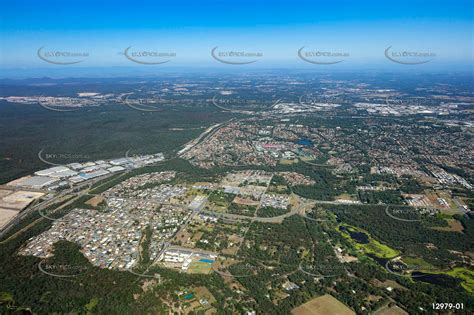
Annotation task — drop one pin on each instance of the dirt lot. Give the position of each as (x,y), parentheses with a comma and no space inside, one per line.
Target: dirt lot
(18,200)
(4,192)
(12,202)
(394,310)
(95,201)
(196,237)
(203,292)
(6,215)
(182,237)
(323,305)
(235,240)
(247,202)
(454,226)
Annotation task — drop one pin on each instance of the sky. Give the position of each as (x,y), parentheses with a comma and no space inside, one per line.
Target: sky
(101,31)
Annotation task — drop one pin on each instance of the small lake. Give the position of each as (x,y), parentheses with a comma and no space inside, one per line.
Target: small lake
(359,237)
(381,261)
(438,279)
(305,142)
(189,296)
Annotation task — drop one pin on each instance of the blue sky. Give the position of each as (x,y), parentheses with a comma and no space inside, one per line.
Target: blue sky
(277,29)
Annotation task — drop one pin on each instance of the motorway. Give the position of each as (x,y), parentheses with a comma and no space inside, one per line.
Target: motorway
(76,191)
(202,137)
(84,187)
(300,209)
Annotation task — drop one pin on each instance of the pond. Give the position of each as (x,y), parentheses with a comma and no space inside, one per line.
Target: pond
(438,279)
(305,142)
(189,296)
(359,237)
(381,261)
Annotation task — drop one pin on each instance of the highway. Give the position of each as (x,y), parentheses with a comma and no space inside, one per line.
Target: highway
(76,191)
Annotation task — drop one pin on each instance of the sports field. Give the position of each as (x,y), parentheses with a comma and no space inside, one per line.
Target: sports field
(199,267)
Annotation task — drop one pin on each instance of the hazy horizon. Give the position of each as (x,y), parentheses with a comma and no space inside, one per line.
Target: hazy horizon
(365,34)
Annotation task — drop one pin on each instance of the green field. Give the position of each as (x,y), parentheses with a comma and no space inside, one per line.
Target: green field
(199,267)
(373,247)
(419,262)
(221,199)
(466,275)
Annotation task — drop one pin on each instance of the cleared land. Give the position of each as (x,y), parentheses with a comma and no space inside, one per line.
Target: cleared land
(95,201)
(18,200)
(394,310)
(323,305)
(6,215)
(453,226)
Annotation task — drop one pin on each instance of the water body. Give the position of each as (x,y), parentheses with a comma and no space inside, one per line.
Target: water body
(188,296)
(305,142)
(381,261)
(359,237)
(438,279)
